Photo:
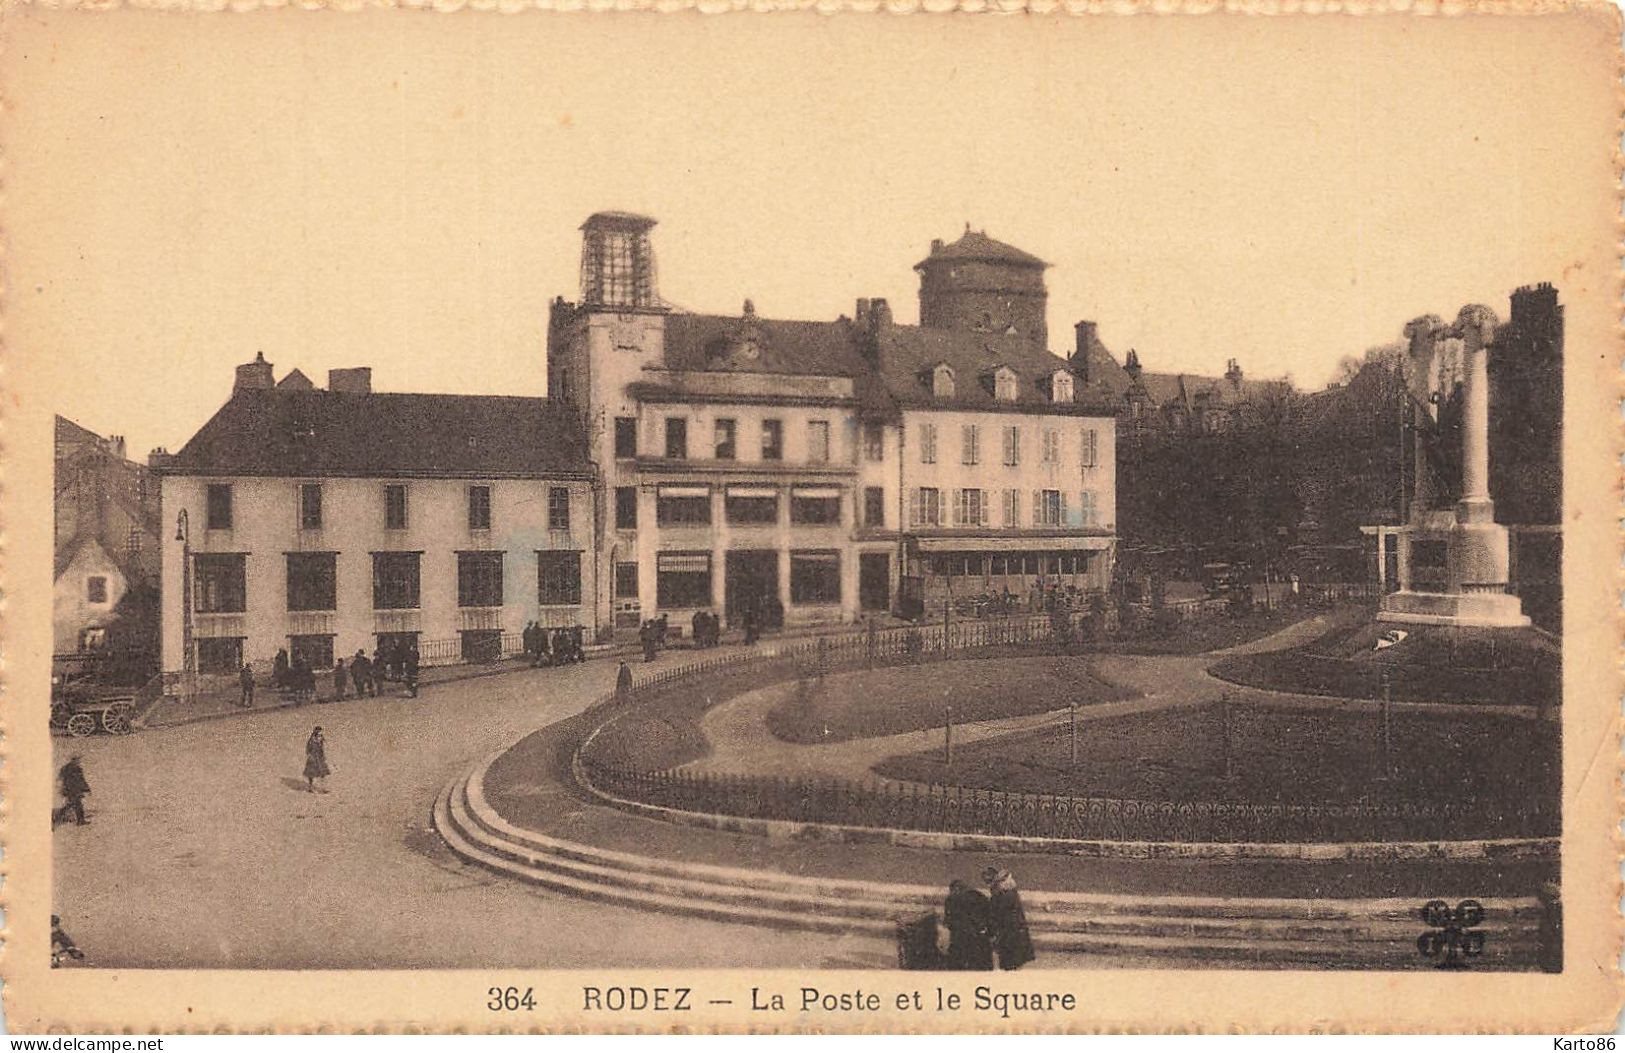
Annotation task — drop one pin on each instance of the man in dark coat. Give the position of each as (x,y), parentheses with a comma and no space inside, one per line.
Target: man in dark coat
(245,680)
(646,637)
(1007,920)
(279,669)
(696,626)
(339,673)
(965,913)
(75,788)
(409,666)
(360,672)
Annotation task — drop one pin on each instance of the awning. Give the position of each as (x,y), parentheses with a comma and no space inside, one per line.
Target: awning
(1074,543)
(753,491)
(689,561)
(685,491)
(815,491)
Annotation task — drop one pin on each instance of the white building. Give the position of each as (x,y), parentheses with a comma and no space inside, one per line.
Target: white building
(810,471)
(323,522)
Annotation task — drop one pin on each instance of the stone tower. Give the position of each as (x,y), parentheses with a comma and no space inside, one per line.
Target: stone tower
(978,284)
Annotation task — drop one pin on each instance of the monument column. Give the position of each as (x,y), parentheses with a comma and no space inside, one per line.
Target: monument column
(1478,329)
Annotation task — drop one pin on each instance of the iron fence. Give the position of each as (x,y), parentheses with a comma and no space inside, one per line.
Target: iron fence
(957,809)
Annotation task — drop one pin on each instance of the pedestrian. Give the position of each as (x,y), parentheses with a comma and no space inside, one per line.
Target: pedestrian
(544,653)
(62,945)
(623,681)
(75,788)
(245,680)
(578,642)
(1007,921)
(376,673)
(965,914)
(279,670)
(339,674)
(360,672)
(696,628)
(661,628)
(316,760)
(298,677)
(410,667)
(646,636)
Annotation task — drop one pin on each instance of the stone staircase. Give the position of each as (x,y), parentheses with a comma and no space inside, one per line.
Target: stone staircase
(1337,933)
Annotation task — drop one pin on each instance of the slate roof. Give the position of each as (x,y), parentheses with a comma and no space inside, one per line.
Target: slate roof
(727,343)
(976,245)
(385,434)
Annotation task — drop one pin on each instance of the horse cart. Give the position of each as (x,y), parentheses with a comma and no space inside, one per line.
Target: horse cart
(81,716)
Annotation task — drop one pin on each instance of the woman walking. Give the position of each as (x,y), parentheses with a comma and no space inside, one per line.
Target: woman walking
(316,760)
(1007,920)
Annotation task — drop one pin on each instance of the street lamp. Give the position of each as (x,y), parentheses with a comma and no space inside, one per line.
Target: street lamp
(183,534)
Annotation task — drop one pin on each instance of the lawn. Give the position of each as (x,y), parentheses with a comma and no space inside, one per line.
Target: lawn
(1307,757)
(868,703)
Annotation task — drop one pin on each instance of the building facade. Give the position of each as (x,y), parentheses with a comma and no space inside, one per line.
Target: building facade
(323,522)
(809,472)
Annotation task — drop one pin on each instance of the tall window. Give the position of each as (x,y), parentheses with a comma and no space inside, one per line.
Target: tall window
(818,441)
(395,507)
(1012,445)
(395,577)
(479,508)
(1005,385)
(970,444)
(1049,508)
(219,506)
(626,581)
(1091,448)
(926,510)
(928,444)
(1088,511)
(772,440)
(1061,386)
(626,437)
(874,440)
(558,578)
(220,582)
(96,589)
(626,508)
(726,447)
(312,581)
(682,579)
(971,509)
(1012,508)
(1050,446)
(558,508)
(677,438)
(479,579)
(310,506)
(874,506)
(314,651)
(815,577)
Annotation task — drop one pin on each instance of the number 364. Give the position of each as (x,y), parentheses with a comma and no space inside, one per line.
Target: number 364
(510,999)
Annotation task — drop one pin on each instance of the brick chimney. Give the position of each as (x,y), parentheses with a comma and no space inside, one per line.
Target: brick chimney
(1086,340)
(356,380)
(1232,373)
(255,374)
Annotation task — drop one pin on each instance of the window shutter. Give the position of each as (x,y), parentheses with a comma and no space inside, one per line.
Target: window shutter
(1065,519)
(1038,508)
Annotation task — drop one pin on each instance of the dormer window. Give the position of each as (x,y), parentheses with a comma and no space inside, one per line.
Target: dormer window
(1060,386)
(942,382)
(1005,384)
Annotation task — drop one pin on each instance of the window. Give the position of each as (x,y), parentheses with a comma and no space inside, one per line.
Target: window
(312,581)
(818,441)
(942,382)
(220,583)
(220,654)
(626,581)
(96,589)
(479,508)
(970,444)
(971,508)
(1060,387)
(1091,448)
(928,444)
(395,507)
(1012,445)
(815,577)
(752,506)
(676,506)
(310,506)
(874,506)
(874,440)
(219,506)
(133,542)
(395,581)
(927,508)
(1049,508)
(626,508)
(772,440)
(1005,385)
(626,437)
(726,448)
(479,579)
(1088,512)
(1050,446)
(815,507)
(558,508)
(558,578)
(314,651)
(1012,508)
(677,438)
(683,579)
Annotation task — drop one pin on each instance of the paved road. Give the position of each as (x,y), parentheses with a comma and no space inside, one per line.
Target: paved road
(205,850)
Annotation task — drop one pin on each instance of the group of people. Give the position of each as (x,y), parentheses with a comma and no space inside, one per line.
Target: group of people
(987,927)
(554,647)
(652,635)
(391,660)
(706,629)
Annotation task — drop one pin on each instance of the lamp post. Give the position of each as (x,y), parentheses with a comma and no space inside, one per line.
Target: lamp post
(183,534)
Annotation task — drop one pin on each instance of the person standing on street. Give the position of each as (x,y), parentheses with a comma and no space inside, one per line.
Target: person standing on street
(623,681)
(245,680)
(316,760)
(360,672)
(409,665)
(965,915)
(339,673)
(62,945)
(75,788)
(1007,920)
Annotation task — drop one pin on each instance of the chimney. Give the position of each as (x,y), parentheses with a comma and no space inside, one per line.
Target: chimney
(159,458)
(255,374)
(879,314)
(356,380)
(1232,373)
(860,315)
(1086,340)
(1131,365)
(936,246)
(115,446)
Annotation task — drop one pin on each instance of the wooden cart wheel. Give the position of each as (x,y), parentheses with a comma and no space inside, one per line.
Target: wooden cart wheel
(60,712)
(81,724)
(119,718)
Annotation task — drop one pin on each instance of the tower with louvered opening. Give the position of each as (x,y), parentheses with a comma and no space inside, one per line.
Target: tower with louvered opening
(617,262)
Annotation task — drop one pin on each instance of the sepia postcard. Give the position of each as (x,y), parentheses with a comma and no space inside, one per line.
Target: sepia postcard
(834,521)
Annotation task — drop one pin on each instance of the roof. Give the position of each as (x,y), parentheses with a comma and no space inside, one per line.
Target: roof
(907,351)
(750,344)
(329,433)
(71,432)
(976,245)
(619,221)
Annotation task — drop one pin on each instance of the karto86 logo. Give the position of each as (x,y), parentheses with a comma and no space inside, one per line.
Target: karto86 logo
(1453,935)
